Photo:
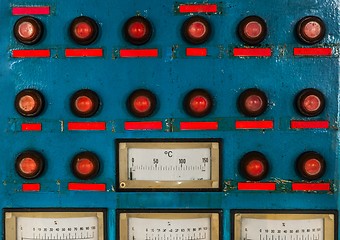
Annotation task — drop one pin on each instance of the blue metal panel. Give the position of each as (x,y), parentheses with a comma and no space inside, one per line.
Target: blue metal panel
(170,76)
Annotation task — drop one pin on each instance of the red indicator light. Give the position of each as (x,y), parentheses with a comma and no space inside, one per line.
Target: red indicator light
(252,30)
(137,30)
(85,165)
(28,30)
(142,103)
(84,103)
(252,102)
(198,103)
(311,165)
(29,103)
(29,164)
(84,30)
(254,166)
(310,30)
(196,30)
(310,102)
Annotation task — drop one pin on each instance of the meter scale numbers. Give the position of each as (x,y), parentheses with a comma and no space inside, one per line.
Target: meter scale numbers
(177,229)
(59,228)
(169,164)
(311,229)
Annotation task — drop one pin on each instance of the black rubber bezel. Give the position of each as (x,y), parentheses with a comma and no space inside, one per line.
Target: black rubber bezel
(138,93)
(137,41)
(252,41)
(93,158)
(90,39)
(193,93)
(301,160)
(186,25)
(37,157)
(242,99)
(37,25)
(245,161)
(90,94)
(301,35)
(305,93)
(37,96)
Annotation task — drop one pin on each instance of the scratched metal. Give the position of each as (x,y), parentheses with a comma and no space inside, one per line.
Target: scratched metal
(170,77)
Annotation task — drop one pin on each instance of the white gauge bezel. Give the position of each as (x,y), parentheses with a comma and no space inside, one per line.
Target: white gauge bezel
(11,216)
(125,184)
(215,218)
(329,219)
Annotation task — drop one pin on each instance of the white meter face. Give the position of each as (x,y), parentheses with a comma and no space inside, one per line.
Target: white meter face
(289,226)
(54,225)
(171,226)
(168,165)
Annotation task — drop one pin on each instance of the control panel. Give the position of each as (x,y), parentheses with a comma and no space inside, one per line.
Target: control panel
(174,120)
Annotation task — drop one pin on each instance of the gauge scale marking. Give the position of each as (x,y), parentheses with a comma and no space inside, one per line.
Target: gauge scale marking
(169,165)
(29,228)
(169,229)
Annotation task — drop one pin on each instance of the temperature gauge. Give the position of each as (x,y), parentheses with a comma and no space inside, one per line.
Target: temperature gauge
(44,224)
(170,225)
(178,164)
(290,225)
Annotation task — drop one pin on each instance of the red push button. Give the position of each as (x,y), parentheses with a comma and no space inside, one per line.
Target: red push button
(84,30)
(84,103)
(198,103)
(252,30)
(137,30)
(252,102)
(28,30)
(142,103)
(310,30)
(310,102)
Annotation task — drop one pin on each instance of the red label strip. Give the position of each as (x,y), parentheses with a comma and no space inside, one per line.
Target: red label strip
(309,124)
(138,53)
(252,52)
(246,186)
(197,8)
(100,187)
(312,52)
(86,126)
(25,127)
(30,187)
(311,187)
(254,124)
(41,10)
(199,125)
(196,52)
(38,53)
(143,125)
(94,52)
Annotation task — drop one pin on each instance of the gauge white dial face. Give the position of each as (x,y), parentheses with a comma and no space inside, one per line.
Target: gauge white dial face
(57,228)
(169,164)
(169,229)
(266,229)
